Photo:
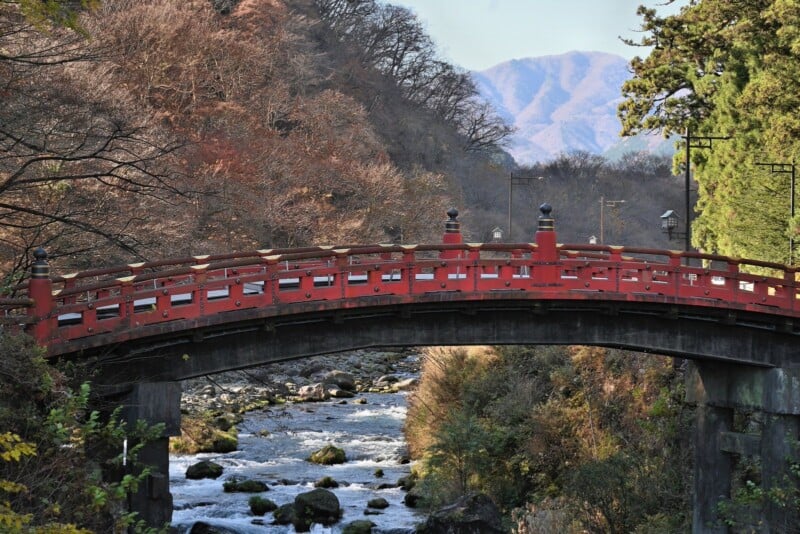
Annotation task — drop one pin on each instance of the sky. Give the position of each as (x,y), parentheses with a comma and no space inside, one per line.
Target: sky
(478,34)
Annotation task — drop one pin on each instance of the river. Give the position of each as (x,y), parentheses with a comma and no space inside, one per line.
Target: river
(273,446)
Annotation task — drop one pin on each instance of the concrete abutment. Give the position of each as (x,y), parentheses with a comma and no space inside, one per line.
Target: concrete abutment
(720,391)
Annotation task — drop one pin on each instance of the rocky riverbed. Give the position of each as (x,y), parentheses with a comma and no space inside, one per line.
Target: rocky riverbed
(278,416)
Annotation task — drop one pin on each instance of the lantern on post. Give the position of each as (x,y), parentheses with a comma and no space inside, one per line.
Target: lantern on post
(669,223)
(497,234)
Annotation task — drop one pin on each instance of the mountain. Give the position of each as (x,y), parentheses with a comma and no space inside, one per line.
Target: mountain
(562,103)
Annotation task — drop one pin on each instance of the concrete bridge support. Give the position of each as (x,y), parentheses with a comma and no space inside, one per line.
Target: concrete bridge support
(771,397)
(154,403)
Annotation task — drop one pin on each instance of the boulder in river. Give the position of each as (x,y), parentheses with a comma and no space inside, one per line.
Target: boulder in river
(336,392)
(313,393)
(317,506)
(204,469)
(379,502)
(328,455)
(361,526)
(475,513)
(204,528)
(406,384)
(260,506)
(342,379)
(284,515)
(326,482)
(244,486)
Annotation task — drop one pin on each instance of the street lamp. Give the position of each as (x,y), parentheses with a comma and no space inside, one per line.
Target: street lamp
(669,223)
(786,168)
(606,204)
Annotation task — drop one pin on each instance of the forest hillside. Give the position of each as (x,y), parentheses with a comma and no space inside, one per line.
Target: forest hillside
(138,130)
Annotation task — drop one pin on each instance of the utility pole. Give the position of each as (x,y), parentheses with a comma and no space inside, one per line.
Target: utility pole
(512,181)
(606,204)
(694,141)
(789,168)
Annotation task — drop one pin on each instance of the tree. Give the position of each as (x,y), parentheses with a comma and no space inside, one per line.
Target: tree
(392,41)
(78,166)
(726,69)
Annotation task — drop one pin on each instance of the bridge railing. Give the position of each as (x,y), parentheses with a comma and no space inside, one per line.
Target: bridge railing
(126,300)
(14,312)
(189,292)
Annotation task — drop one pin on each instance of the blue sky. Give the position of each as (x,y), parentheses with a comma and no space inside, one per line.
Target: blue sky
(477,34)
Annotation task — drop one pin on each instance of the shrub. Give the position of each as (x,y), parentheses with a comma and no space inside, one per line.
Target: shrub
(55,475)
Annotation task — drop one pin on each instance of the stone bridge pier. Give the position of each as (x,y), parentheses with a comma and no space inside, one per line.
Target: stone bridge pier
(752,413)
(154,403)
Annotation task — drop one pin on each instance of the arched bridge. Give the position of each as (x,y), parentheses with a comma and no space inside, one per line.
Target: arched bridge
(146,326)
(266,305)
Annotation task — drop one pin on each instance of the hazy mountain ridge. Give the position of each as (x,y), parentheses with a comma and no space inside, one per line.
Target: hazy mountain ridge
(560,103)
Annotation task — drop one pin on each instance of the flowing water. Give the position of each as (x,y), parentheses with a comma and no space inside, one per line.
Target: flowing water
(370,434)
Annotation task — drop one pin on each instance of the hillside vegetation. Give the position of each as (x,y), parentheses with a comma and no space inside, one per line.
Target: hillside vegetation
(138,130)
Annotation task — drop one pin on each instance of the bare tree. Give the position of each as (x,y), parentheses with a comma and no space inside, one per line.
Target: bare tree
(482,127)
(391,40)
(75,167)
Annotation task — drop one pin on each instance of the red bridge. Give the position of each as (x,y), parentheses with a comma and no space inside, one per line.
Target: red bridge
(164,321)
(206,296)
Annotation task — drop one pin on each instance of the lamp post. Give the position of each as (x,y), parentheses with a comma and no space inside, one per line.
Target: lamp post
(694,141)
(790,169)
(512,181)
(606,204)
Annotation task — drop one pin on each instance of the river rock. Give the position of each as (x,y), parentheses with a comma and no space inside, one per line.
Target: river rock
(313,393)
(472,513)
(412,498)
(244,486)
(317,506)
(260,506)
(337,393)
(328,455)
(284,515)
(204,469)
(385,381)
(326,482)
(340,378)
(406,384)
(361,526)
(204,528)
(379,502)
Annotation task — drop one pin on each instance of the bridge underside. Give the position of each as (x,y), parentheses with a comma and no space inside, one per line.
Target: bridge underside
(245,339)
(741,362)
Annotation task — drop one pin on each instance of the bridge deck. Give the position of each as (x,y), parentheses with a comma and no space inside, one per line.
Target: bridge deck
(121,304)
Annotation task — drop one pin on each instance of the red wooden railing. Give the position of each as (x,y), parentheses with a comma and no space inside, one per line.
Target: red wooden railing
(125,300)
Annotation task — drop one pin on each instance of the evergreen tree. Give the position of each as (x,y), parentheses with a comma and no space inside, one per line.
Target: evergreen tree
(726,68)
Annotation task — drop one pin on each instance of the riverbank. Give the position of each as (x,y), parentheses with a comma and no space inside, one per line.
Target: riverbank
(313,379)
